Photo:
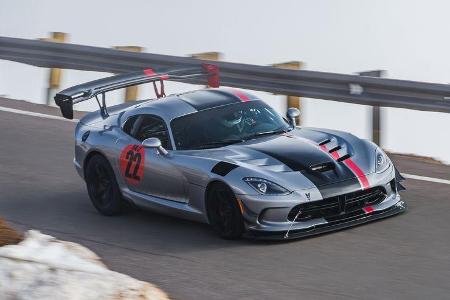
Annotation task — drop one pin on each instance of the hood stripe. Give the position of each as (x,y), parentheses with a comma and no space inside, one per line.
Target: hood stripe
(241,95)
(363,181)
(358,172)
(299,157)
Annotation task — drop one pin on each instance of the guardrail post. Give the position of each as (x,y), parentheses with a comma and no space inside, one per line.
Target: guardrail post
(292,101)
(213,56)
(54,77)
(131,93)
(376,112)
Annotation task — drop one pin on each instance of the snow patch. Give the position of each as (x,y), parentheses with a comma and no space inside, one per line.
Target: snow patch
(42,267)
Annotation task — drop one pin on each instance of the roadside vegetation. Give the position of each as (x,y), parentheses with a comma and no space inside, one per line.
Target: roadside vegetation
(8,236)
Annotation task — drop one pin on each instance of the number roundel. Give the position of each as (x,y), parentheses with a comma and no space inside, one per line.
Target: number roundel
(131,162)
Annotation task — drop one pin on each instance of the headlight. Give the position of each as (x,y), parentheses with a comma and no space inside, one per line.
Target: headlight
(265,187)
(382,162)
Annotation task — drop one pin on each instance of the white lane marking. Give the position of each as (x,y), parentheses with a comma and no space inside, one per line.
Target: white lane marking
(425,178)
(35,114)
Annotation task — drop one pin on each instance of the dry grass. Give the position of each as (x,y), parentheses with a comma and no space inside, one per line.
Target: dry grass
(8,236)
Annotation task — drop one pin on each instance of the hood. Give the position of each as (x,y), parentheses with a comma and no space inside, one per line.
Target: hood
(302,155)
(329,160)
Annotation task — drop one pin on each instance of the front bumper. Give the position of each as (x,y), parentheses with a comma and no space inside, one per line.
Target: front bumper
(387,208)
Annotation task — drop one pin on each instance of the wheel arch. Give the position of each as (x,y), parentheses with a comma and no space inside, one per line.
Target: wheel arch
(88,157)
(209,187)
(238,227)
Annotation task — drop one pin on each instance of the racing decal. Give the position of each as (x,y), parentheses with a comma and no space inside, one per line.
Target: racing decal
(323,147)
(241,95)
(132,159)
(368,209)
(350,164)
(358,172)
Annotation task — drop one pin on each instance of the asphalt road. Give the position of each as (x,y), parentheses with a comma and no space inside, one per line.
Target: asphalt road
(403,257)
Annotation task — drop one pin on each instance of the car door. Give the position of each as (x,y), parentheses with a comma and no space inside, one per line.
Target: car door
(145,170)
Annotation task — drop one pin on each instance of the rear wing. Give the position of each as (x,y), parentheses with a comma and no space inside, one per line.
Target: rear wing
(79,93)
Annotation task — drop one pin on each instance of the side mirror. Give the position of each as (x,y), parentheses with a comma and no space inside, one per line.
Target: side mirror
(292,114)
(154,143)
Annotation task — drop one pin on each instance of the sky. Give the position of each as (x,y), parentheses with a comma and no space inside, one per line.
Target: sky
(408,39)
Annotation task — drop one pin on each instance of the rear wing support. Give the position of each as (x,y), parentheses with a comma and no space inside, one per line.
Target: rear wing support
(79,93)
(102,106)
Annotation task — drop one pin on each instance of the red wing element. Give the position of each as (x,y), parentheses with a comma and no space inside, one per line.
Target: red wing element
(213,77)
(151,73)
(202,74)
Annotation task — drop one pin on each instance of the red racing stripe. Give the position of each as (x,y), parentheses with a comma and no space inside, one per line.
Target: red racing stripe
(368,209)
(334,154)
(241,95)
(351,165)
(358,172)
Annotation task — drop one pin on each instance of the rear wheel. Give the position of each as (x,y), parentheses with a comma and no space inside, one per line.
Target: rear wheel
(223,212)
(102,186)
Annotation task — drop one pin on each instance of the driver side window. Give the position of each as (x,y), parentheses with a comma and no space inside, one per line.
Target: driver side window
(146,126)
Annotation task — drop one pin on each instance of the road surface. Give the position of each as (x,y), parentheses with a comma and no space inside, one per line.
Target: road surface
(403,257)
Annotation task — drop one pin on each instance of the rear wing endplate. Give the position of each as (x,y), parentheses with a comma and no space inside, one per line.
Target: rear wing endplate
(79,93)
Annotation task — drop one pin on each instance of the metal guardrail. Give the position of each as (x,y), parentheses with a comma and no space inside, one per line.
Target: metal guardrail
(320,85)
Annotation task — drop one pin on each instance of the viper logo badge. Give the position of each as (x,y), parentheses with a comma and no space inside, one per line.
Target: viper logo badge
(308,196)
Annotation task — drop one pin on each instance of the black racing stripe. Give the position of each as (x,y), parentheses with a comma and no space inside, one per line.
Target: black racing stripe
(223,168)
(205,99)
(339,188)
(300,155)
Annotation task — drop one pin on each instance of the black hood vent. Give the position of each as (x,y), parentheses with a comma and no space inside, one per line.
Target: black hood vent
(323,167)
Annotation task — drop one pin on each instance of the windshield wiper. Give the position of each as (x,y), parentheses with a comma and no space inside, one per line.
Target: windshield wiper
(218,144)
(259,134)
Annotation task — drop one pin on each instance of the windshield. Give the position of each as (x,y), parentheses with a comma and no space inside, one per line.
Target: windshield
(226,125)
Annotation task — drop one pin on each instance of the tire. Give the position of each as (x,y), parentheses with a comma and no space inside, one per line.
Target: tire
(102,186)
(223,212)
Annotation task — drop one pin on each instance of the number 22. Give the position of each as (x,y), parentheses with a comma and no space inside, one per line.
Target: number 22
(133,157)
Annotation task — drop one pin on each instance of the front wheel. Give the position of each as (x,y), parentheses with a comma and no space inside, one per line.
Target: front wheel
(102,186)
(223,212)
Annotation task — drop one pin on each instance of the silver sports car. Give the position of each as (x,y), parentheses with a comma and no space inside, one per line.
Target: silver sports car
(224,157)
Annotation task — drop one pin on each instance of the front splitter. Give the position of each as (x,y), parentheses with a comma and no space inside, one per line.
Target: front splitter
(335,225)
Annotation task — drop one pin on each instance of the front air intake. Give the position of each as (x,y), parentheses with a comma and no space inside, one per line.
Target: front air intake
(338,205)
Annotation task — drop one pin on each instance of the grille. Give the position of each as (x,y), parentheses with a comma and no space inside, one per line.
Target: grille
(339,205)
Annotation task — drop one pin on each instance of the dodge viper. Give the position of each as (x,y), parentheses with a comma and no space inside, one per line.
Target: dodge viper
(224,157)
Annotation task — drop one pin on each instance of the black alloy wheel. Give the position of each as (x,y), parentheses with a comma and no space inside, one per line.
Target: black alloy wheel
(102,186)
(223,212)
